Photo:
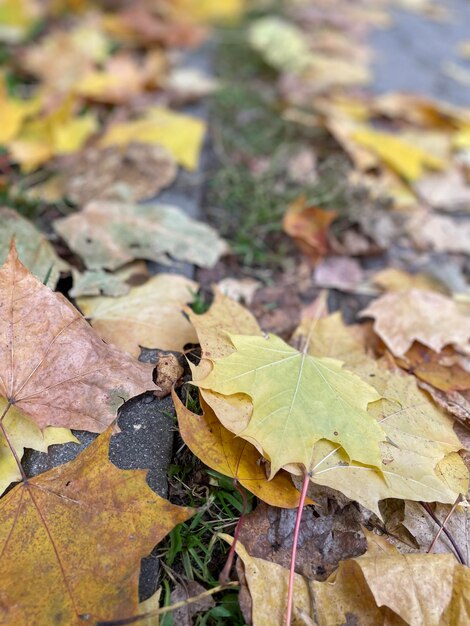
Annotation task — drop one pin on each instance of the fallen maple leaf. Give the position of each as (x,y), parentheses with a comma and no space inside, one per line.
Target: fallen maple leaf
(308,226)
(380,587)
(53,366)
(441,370)
(404,157)
(415,315)
(267,583)
(419,457)
(34,250)
(150,315)
(71,519)
(180,134)
(297,401)
(218,448)
(110,234)
(135,172)
(384,586)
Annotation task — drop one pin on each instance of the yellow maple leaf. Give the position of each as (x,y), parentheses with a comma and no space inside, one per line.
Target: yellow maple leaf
(298,400)
(208,10)
(59,132)
(403,157)
(180,134)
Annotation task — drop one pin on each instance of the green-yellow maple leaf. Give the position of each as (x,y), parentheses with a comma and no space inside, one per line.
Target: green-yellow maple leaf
(298,400)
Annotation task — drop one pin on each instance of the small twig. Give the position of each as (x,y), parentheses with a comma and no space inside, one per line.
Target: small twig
(290,591)
(442,526)
(167,609)
(456,548)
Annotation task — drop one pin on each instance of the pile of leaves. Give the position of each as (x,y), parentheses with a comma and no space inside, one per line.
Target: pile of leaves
(346,442)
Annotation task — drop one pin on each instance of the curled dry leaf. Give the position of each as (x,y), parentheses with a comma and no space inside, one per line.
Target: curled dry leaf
(34,250)
(136,171)
(221,450)
(110,234)
(308,226)
(71,519)
(267,584)
(416,315)
(386,587)
(169,371)
(53,366)
(150,315)
(441,370)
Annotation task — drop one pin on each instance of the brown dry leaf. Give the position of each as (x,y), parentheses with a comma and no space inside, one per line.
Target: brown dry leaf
(108,234)
(308,226)
(447,191)
(416,315)
(182,592)
(424,529)
(386,587)
(455,402)
(137,171)
(267,583)
(53,366)
(218,448)
(439,233)
(325,539)
(63,57)
(71,519)
(150,315)
(168,373)
(122,78)
(339,272)
(435,369)
(392,279)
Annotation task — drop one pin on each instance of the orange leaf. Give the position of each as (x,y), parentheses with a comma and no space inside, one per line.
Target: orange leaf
(308,226)
(232,456)
(59,534)
(53,366)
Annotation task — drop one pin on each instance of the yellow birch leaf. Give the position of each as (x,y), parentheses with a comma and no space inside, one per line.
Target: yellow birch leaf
(298,400)
(403,157)
(180,134)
